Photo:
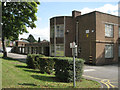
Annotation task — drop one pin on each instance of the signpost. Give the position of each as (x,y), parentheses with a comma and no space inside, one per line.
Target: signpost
(74,53)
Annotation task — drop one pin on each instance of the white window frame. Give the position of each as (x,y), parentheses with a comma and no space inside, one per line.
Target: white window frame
(109,50)
(109,30)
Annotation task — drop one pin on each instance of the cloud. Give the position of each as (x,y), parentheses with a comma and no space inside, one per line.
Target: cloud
(107,8)
(37,32)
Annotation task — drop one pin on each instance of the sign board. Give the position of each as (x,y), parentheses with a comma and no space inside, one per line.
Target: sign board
(87,35)
(87,31)
(72,45)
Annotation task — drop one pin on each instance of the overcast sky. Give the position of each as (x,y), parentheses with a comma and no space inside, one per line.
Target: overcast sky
(46,10)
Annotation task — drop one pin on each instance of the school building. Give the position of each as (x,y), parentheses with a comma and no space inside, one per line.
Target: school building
(96,34)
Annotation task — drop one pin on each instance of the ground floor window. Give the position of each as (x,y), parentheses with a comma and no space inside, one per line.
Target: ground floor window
(52,49)
(59,50)
(109,51)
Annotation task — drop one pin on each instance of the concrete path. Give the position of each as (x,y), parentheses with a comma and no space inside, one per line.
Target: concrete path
(20,57)
(107,75)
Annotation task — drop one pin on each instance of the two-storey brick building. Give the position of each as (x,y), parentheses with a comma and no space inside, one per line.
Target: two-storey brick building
(96,34)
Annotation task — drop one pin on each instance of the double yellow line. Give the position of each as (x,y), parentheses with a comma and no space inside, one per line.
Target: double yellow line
(104,81)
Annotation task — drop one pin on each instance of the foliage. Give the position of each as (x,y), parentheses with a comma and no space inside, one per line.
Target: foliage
(31,60)
(39,40)
(16,16)
(46,64)
(64,69)
(31,39)
(63,66)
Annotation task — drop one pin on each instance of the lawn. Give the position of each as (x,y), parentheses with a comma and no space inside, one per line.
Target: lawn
(15,74)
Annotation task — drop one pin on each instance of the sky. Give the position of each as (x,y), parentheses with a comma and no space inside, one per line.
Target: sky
(47,10)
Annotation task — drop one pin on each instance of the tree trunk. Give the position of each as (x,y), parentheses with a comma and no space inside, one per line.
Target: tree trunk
(4,47)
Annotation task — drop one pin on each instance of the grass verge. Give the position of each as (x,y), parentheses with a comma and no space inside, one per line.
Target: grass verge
(15,74)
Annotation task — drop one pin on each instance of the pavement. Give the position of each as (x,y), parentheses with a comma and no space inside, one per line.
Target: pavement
(106,75)
(20,57)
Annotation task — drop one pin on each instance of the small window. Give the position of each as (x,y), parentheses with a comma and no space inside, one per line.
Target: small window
(109,51)
(108,30)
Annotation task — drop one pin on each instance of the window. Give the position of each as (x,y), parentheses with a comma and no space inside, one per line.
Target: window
(52,32)
(119,50)
(119,31)
(59,50)
(60,31)
(52,50)
(109,51)
(108,30)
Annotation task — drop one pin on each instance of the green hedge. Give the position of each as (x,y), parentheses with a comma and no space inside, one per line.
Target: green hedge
(46,65)
(64,69)
(32,60)
(63,66)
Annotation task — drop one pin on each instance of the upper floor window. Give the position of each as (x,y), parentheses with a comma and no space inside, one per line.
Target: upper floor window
(108,30)
(60,31)
(52,31)
(119,31)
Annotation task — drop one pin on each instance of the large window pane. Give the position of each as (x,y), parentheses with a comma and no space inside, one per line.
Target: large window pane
(52,31)
(52,50)
(59,50)
(60,30)
(109,51)
(108,30)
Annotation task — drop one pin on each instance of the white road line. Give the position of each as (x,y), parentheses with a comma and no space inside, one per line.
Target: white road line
(87,70)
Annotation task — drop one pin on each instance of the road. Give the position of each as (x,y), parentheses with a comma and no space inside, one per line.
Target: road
(20,57)
(107,75)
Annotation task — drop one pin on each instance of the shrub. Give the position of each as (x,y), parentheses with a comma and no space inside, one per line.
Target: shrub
(64,69)
(46,64)
(32,60)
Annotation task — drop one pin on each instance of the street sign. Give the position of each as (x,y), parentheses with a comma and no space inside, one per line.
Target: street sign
(74,53)
(72,45)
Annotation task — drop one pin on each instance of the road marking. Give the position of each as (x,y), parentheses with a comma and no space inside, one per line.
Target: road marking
(92,77)
(86,70)
(104,81)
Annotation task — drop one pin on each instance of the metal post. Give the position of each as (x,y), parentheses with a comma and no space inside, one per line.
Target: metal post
(74,71)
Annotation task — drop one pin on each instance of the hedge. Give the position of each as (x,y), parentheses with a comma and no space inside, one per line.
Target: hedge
(46,64)
(63,66)
(64,69)
(32,60)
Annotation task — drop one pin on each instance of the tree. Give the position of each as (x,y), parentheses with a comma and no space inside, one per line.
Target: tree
(39,40)
(31,39)
(16,16)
